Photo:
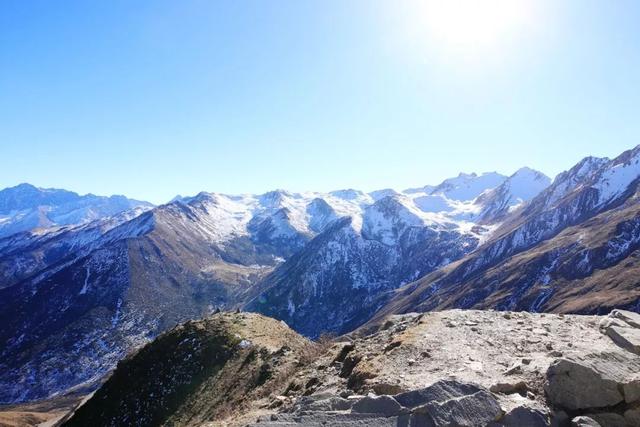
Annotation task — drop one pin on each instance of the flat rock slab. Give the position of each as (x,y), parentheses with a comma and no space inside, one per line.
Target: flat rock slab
(450,402)
(439,391)
(383,405)
(627,338)
(323,419)
(480,408)
(596,380)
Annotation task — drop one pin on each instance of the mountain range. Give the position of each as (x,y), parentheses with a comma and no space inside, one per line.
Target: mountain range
(82,288)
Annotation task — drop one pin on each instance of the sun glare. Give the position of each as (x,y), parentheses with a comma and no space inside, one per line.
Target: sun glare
(475,26)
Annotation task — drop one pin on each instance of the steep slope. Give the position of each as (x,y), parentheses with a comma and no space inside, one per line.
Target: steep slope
(25,207)
(522,186)
(571,249)
(201,371)
(86,295)
(27,253)
(334,284)
(147,275)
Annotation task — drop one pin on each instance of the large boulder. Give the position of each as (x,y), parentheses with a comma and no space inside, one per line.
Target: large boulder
(627,338)
(596,380)
(523,416)
(623,327)
(452,403)
(439,392)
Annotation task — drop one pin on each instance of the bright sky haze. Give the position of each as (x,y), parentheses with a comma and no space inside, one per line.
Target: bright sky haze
(156,98)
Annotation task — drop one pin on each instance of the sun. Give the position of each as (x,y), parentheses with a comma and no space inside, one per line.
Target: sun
(475,26)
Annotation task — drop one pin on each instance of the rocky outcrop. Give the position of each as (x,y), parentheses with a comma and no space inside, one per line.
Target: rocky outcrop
(445,403)
(468,368)
(623,327)
(450,368)
(602,386)
(596,380)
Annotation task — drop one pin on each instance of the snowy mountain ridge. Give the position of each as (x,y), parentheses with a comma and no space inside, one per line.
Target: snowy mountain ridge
(26,207)
(455,204)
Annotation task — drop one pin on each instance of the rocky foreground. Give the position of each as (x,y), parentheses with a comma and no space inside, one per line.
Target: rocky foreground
(450,368)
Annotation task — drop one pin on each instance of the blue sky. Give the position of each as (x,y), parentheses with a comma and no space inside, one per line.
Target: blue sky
(155,98)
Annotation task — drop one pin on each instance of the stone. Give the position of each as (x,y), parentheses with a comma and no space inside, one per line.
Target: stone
(348,364)
(559,419)
(509,388)
(609,419)
(627,338)
(523,416)
(631,389)
(480,408)
(392,345)
(450,402)
(608,322)
(439,391)
(345,349)
(385,405)
(595,380)
(515,369)
(632,417)
(584,422)
(629,317)
(277,401)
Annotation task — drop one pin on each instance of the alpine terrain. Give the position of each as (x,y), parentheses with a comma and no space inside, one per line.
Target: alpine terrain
(83,293)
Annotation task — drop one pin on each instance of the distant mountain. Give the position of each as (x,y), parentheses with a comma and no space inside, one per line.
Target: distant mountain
(520,187)
(25,207)
(334,282)
(80,297)
(573,248)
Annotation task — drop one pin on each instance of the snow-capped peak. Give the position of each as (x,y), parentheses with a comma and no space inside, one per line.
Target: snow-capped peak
(618,174)
(466,187)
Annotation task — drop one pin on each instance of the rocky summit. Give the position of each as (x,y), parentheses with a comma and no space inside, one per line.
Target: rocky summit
(448,368)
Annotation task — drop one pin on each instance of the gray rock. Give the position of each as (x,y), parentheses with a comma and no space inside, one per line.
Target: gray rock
(320,419)
(608,322)
(523,416)
(632,417)
(629,317)
(584,422)
(609,419)
(480,408)
(515,369)
(384,405)
(439,392)
(559,419)
(627,338)
(631,389)
(595,380)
